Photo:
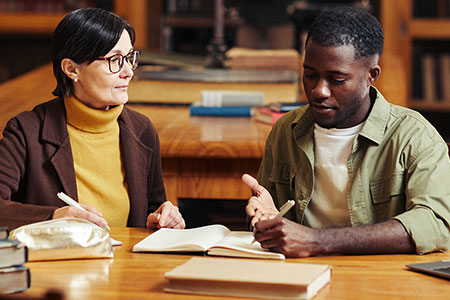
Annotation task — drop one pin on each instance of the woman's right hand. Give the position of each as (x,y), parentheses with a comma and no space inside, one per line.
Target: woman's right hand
(90,213)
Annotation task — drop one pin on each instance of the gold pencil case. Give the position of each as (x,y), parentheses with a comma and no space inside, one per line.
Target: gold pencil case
(66,238)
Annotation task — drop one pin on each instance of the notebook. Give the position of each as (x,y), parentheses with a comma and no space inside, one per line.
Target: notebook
(437,268)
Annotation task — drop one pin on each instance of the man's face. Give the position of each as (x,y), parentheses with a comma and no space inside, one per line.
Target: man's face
(337,85)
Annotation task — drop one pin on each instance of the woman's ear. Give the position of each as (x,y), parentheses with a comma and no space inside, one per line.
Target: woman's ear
(374,73)
(70,68)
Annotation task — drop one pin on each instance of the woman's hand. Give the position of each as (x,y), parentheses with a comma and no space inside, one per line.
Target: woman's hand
(90,213)
(166,216)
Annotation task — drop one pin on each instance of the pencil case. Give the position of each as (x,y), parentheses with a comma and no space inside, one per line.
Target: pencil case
(66,238)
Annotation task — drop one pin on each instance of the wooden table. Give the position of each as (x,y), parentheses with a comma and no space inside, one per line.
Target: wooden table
(203,157)
(141,275)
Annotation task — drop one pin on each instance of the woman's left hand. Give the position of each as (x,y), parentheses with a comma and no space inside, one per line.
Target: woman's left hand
(166,216)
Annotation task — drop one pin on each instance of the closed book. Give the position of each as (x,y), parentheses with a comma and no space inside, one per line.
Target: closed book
(197,109)
(215,240)
(4,233)
(248,278)
(14,279)
(12,253)
(266,115)
(232,98)
(263,59)
(285,106)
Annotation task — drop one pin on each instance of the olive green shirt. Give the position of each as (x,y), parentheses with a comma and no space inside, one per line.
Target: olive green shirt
(399,168)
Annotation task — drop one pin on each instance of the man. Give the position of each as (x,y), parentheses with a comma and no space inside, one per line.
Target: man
(367,176)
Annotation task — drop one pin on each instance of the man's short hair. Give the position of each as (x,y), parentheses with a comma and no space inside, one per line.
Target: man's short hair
(348,25)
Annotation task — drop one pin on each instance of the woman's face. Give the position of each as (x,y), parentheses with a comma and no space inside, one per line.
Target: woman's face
(97,87)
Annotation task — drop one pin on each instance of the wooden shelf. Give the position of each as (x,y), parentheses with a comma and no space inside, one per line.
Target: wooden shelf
(423,104)
(430,28)
(402,32)
(29,23)
(195,21)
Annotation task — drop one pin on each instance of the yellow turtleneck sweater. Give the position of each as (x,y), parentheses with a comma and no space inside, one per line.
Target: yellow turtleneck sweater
(100,175)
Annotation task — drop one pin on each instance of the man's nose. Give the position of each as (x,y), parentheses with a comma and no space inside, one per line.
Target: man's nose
(321,90)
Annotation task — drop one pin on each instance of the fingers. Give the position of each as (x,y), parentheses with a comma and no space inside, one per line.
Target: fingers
(252,206)
(91,209)
(167,215)
(74,212)
(253,184)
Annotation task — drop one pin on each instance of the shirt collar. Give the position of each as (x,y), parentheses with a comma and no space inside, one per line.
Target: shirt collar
(373,129)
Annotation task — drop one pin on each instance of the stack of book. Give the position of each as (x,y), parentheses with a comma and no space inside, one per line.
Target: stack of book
(14,276)
(227,103)
(271,113)
(256,59)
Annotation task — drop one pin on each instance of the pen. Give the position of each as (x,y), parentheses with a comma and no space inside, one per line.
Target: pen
(283,210)
(73,203)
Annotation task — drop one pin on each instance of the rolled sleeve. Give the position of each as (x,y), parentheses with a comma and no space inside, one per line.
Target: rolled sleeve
(427,215)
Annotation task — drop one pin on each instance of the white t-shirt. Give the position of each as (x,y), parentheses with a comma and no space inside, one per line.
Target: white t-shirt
(328,206)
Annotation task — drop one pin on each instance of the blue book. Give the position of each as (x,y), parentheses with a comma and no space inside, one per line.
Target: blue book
(286,106)
(220,111)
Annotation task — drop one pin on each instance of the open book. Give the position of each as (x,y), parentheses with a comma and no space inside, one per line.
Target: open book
(215,240)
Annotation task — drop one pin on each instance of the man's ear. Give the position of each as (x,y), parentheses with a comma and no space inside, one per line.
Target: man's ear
(374,73)
(70,68)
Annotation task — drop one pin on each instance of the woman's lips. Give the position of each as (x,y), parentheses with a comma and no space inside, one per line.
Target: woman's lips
(122,87)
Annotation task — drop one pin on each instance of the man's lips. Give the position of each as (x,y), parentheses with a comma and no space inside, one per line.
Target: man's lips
(321,106)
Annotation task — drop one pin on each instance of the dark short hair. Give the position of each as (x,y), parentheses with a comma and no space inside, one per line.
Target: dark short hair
(348,25)
(83,36)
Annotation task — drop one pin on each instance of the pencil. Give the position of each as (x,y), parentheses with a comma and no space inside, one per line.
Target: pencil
(283,210)
(73,203)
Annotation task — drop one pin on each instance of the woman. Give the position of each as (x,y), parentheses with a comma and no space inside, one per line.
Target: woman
(85,143)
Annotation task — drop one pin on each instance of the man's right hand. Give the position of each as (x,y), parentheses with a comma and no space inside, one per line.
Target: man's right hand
(91,214)
(260,206)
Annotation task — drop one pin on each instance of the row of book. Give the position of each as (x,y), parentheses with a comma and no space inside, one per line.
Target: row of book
(43,6)
(241,104)
(14,275)
(432,78)
(431,8)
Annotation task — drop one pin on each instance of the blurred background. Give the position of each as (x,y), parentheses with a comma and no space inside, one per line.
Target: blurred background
(415,63)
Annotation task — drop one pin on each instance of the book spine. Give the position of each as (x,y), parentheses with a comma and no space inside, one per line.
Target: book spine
(4,233)
(445,76)
(428,78)
(224,111)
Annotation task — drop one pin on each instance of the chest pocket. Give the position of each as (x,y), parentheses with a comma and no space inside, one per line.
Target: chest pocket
(388,197)
(282,179)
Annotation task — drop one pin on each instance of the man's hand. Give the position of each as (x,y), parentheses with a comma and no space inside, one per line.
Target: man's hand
(295,240)
(260,206)
(287,237)
(166,216)
(91,214)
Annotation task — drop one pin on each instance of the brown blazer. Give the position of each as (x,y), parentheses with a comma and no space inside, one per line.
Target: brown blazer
(36,163)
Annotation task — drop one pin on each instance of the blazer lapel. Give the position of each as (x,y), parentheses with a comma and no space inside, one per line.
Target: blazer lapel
(136,157)
(54,133)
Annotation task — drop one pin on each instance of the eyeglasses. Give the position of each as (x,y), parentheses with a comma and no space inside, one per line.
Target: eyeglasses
(116,61)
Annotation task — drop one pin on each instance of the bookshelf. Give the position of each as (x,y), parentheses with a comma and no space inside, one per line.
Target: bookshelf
(417,33)
(41,17)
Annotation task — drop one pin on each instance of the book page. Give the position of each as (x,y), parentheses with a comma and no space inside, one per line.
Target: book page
(239,244)
(174,240)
